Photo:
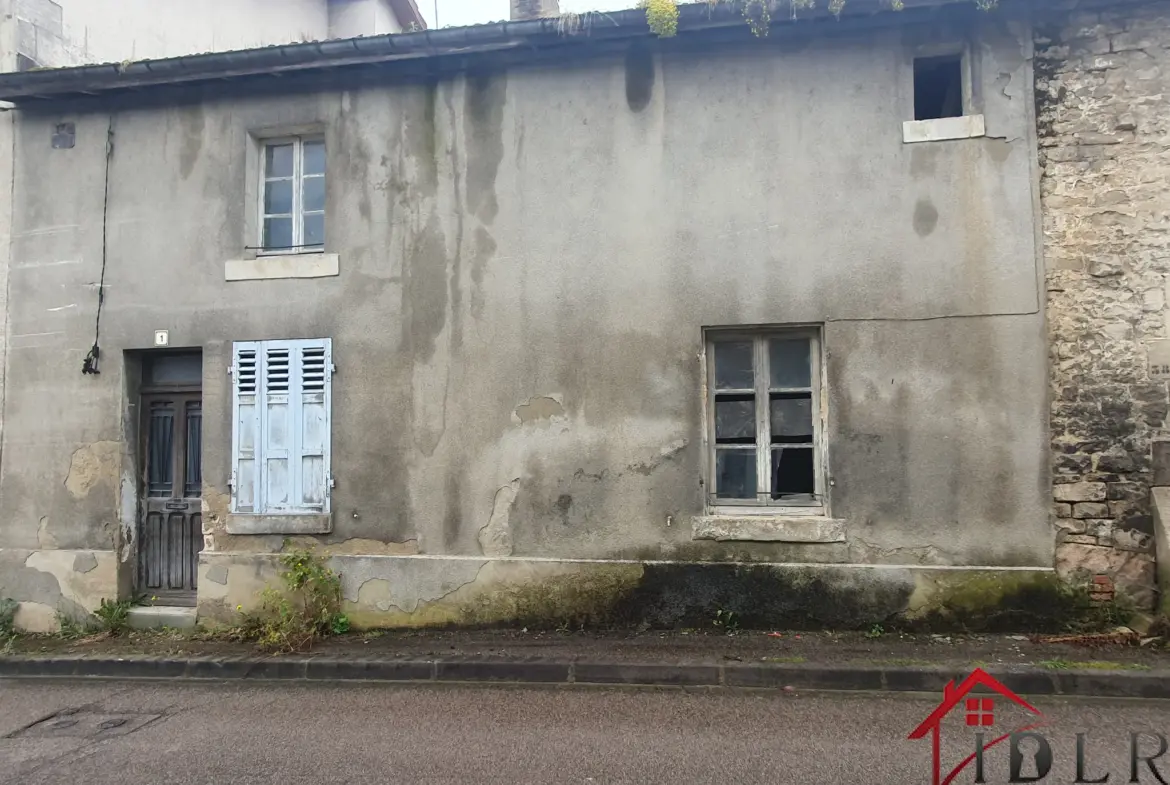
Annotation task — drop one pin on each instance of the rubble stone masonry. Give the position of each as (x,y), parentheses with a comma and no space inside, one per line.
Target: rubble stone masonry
(1103,114)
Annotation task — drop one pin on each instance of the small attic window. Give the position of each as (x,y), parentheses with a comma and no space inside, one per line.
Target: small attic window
(938,87)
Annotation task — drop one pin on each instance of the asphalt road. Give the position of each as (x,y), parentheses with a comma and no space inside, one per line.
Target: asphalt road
(160,732)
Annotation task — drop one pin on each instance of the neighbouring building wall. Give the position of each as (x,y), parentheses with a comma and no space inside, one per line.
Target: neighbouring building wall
(1103,81)
(118,30)
(351,18)
(528,260)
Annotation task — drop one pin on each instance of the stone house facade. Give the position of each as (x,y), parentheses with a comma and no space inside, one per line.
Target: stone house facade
(532,321)
(1102,94)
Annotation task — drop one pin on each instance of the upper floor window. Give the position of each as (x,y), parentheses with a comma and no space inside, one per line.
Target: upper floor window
(764,390)
(293,196)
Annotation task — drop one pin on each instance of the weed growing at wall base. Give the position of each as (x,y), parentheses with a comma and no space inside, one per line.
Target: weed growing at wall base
(306,609)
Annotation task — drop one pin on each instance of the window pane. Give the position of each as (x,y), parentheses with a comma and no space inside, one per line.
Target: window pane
(313,195)
(314,157)
(733,365)
(175,369)
(278,160)
(277,232)
(159,450)
(193,486)
(315,229)
(789,359)
(792,472)
(278,197)
(735,474)
(735,419)
(792,419)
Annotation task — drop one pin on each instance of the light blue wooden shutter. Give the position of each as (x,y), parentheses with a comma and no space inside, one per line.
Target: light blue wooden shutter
(312,440)
(278,430)
(246,427)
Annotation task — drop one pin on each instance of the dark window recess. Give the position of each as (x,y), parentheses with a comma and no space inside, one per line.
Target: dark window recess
(174,369)
(938,87)
(64,136)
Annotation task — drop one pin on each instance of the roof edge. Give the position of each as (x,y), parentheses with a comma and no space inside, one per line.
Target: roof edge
(88,80)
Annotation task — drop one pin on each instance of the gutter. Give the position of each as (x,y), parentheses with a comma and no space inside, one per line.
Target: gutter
(530,36)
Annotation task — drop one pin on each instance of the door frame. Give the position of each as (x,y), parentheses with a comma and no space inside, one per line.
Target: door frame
(181,394)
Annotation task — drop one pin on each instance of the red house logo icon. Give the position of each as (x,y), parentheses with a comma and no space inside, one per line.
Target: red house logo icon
(980,713)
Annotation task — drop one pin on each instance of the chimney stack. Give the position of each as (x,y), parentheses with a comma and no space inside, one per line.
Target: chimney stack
(535,9)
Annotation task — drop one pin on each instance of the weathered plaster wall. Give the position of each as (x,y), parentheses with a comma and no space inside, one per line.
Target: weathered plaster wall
(117,30)
(49,582)
(1103,87)
(528,258)
(405,591)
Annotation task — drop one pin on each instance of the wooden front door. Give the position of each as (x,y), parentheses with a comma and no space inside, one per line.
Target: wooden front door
(171,524)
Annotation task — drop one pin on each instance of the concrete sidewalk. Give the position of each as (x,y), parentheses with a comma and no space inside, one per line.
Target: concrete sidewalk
(800,661)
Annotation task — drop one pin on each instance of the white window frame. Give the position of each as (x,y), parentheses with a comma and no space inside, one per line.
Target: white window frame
(763,504)
(969,124)
(251,425)
(298,181)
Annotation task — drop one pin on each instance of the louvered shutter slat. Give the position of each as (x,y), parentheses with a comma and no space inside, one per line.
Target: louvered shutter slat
(278,419)
(315,371)
(245,427)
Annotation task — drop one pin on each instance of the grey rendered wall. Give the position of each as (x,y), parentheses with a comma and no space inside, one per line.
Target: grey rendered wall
(528,260)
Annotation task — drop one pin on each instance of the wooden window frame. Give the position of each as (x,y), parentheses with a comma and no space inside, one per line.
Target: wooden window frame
(297,216)
(763,504)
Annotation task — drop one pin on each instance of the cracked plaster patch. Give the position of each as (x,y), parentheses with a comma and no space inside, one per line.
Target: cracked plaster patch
(495,538)
(91,465)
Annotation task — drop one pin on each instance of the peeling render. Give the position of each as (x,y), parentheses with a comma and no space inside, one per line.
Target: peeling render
(495,538)
(47,582)
(93,465)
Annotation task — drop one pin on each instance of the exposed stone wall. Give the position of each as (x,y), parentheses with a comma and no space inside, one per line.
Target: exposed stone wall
(1103,110)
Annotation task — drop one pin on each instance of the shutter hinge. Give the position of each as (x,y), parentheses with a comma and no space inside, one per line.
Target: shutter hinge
(231,370)
(232,483)
(332,368)
(332,481)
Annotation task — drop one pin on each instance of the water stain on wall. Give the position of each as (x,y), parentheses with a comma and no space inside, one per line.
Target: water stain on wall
(639,77)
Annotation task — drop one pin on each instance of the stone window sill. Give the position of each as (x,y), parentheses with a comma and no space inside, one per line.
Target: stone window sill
(943,128)
(274,266)
(279,524)
(768,528)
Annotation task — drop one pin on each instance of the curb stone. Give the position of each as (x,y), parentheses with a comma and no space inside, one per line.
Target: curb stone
(1030,681)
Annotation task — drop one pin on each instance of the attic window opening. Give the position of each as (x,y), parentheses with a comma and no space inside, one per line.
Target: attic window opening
(938,87)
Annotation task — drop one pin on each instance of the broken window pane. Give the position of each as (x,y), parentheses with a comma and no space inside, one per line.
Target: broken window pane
(735,419)
(789,359)
(792,418)
(733,365)
(735,474)
(792,472)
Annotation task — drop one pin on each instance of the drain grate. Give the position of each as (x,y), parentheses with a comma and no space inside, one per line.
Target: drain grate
(76,723)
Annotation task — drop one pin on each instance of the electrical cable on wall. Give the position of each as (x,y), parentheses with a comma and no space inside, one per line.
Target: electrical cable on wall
(90,364)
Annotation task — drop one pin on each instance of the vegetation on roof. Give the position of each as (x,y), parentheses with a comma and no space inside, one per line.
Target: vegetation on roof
(662,15)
